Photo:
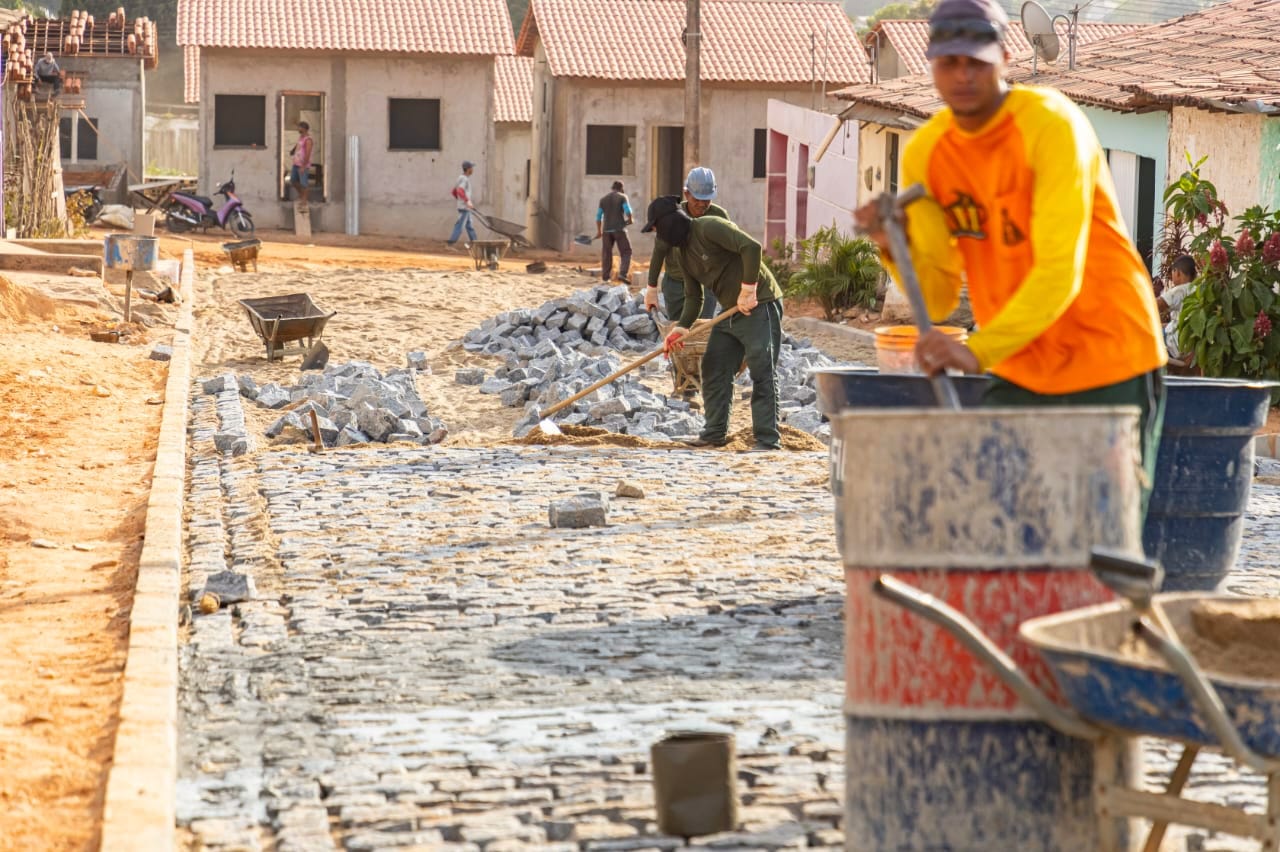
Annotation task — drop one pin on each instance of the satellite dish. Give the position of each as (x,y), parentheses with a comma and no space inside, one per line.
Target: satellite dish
(1038,25)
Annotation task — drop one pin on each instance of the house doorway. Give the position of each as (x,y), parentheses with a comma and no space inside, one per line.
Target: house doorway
(308,107)
(802,193)
(668,161)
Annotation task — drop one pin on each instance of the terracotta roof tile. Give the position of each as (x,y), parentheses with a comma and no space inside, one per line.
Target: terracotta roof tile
(1225,57)
(745,41)
(455,27)
(513,88)
(911,38)
(191,75)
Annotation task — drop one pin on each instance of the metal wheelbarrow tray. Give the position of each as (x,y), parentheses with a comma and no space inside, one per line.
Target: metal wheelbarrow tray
(1139,693)
(513,231)
(284,319)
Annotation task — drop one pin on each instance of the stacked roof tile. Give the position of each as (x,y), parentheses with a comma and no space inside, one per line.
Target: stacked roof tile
(1223,58)
(513,88)
(744,41)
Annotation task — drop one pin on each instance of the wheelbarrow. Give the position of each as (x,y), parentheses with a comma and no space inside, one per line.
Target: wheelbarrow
(513,231)
(1116,694)
(243,252)
(279,320)
(487,253)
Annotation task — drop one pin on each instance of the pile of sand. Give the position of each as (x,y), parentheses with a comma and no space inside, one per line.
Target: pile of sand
(592,436)
(1232,638)
(20,304)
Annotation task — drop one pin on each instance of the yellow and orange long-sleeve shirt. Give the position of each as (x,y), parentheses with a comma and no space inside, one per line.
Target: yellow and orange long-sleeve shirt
(1025,210)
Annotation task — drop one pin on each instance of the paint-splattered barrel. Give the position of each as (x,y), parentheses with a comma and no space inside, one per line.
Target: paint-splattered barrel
(994,511)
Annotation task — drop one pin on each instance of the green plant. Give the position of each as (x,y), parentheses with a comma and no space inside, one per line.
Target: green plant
(1226,320)
(780,260)
(837,271)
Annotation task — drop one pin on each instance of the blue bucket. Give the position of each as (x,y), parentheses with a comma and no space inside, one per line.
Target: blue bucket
(1203,474)
(1204,469)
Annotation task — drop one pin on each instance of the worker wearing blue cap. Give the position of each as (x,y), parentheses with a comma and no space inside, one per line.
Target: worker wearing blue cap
(699,190)
(462,192)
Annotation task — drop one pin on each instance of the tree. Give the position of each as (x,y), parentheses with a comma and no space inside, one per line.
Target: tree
(517,8)
(901,11)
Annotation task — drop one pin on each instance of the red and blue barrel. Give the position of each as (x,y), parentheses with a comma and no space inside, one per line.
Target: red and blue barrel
(993,511)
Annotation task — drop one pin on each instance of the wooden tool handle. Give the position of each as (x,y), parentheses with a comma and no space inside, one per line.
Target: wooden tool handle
(565,403)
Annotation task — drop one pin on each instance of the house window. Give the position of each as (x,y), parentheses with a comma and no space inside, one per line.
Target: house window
(891,162)
(79,138)
(415,124)
(611,149)
(759,154)
(239,121)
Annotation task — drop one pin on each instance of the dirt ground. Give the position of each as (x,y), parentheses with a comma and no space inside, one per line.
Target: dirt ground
(78,428)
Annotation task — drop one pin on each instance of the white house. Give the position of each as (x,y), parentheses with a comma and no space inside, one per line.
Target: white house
(412,80)
(608,99)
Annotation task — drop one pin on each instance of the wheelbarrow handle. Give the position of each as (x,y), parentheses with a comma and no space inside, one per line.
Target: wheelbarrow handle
(1206,699)
(967,633)
(1147,570)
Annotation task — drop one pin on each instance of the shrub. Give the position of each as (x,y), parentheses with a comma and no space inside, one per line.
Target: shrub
(837,271)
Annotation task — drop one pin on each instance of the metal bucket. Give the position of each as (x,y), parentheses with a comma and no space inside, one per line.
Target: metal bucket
(863,387)
(994,511)
(130,252)
(694,783)
(1203,475)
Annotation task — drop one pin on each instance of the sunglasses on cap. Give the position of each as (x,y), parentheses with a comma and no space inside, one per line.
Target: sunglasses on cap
(965,29)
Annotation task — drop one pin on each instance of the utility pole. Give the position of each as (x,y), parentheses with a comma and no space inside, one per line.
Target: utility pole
(692,84)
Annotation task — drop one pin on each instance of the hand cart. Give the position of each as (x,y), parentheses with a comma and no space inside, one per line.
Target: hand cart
(284,319)
(511,230)
(1116,695)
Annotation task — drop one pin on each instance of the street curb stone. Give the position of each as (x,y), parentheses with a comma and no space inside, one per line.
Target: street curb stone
(140,802)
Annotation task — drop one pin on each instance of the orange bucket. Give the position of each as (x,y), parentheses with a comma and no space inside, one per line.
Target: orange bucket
(896,345)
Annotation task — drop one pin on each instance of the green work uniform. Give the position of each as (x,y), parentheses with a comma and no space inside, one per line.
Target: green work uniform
(668,256)
(720,256)
(1145,391)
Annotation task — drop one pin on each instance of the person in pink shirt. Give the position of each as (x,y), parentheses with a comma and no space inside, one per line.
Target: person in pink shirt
(299,173)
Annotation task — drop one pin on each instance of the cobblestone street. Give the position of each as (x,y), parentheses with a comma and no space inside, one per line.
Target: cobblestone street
(428,665)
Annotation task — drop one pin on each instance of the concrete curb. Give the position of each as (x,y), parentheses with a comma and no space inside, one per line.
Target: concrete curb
(815,324)
(139,808)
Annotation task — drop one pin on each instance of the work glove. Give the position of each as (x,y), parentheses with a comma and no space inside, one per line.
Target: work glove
(673,340)
(650,298)
(747,299)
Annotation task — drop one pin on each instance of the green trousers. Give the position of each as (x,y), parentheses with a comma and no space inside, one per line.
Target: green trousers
(757,338)
(673,297)
(1146,391)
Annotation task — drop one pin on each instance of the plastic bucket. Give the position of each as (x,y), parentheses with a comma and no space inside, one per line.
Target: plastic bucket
(1204,471)
(896,346)
(994,511)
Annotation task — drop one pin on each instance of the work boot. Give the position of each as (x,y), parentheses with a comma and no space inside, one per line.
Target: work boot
(703,442)
(760,447)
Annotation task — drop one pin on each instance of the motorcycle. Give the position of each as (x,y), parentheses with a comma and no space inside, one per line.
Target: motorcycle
(91,202)
(187,210)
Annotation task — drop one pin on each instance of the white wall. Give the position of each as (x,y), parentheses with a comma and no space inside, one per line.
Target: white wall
(834,193)
(1233,143)
(513,149)
(569,196)
(403,193)
(115,99)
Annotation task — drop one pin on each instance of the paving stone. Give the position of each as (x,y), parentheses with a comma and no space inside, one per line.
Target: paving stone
(231,587)
(628,489)
(581,510)
(161,352)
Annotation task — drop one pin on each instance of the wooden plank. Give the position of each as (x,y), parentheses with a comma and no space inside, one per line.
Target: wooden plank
(1158,807)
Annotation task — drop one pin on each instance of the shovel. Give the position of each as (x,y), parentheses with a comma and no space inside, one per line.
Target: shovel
(584,240)
(548,426)
(890,210)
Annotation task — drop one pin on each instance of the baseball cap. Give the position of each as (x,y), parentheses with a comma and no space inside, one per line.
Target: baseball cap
(663,205)
(467,164)
(701,183)
(973,28)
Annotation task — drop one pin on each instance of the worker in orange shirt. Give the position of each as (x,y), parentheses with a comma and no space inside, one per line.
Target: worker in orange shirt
(1022,206)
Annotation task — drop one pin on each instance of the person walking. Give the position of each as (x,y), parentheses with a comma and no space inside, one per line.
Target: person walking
(718,255)
(462,193)
(664,263)
(613,215)
(1023,206)
(300,170)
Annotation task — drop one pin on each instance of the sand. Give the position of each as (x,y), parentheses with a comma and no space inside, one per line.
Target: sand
(1227,638)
